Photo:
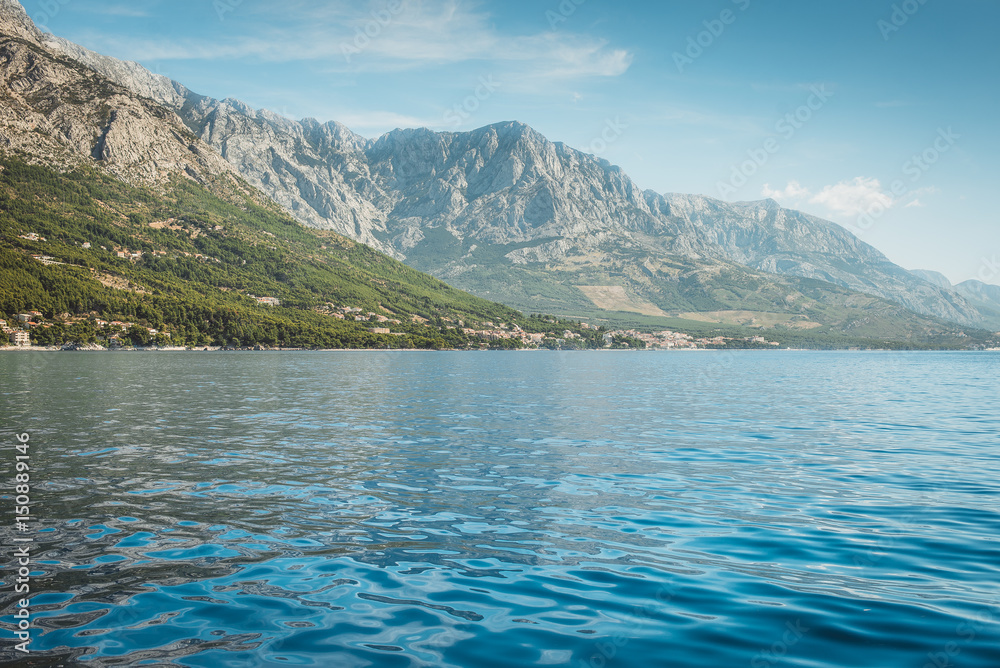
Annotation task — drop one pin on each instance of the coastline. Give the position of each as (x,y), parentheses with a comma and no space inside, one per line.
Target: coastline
(216,349)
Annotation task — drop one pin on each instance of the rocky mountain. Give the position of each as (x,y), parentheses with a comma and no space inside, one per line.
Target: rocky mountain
(116,221)
(16,23)
(506,214)
(55,110)
(505,187)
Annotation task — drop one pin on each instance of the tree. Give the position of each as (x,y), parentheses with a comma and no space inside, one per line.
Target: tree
(138,336)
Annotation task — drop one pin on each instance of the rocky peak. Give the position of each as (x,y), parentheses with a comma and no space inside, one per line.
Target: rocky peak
(60,112)
(933,277)
(987,293)
(14,21)
(332,136)
(764,236)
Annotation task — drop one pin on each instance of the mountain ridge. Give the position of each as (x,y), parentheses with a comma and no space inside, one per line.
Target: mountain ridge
(520,202)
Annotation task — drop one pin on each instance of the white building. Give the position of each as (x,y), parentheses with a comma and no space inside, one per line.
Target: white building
(20,339)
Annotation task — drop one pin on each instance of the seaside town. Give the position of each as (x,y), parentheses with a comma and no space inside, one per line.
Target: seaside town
(27,330)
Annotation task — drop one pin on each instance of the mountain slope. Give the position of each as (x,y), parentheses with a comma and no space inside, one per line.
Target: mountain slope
(80,247)
(985,297)
(111,208)
(767,237)
(16,22)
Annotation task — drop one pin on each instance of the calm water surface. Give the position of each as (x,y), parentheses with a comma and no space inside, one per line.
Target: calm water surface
(755,509)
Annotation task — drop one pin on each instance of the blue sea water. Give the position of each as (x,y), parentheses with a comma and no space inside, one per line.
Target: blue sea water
(756,509)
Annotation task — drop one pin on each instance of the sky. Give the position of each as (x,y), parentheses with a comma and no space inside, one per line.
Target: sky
(880,115)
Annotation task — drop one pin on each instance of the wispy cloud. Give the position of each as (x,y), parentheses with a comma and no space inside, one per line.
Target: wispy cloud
(366,37)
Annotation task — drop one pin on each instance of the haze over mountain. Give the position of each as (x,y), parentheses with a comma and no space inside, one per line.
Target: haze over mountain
(934,277)
(499,211)
(984,296)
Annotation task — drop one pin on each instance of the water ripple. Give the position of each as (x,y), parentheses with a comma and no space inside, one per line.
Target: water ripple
(370,509)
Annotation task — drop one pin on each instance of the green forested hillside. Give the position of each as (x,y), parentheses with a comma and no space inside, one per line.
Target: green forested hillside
(201,258)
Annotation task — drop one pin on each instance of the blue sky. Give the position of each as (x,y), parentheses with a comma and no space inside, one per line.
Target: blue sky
(879,115)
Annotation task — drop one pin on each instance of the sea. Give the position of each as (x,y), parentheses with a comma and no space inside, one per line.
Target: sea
(481,509)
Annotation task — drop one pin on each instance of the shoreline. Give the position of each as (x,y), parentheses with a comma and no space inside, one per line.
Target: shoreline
(219,349)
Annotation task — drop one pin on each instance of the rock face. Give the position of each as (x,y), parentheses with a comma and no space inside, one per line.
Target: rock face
(132,76)
(499,211)
(55,110)
(317,172)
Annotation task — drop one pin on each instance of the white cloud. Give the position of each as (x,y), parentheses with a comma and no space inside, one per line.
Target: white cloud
(793,191)
(854,197)
(848,198)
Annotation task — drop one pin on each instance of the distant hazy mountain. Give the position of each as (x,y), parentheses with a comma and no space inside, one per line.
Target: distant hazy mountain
(982,291)
(507,214)
(934,277)
(984,296)
(765,236)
